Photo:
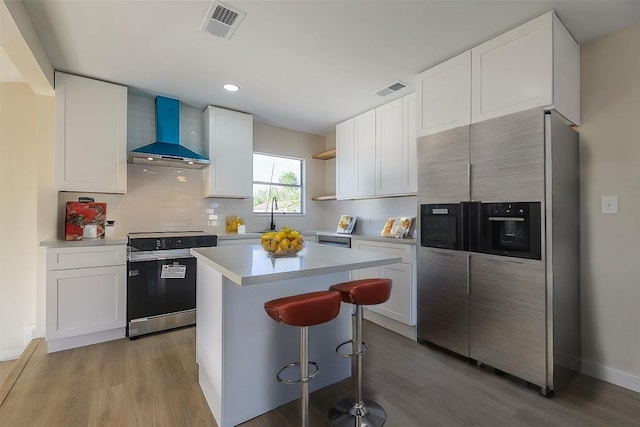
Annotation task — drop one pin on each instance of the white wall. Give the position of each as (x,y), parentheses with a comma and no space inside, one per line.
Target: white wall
(18,217)
(610,165)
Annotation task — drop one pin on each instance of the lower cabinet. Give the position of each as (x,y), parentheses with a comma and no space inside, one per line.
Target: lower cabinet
(507,315)
(85,295)
(443,299)
(401,304)
(485,307)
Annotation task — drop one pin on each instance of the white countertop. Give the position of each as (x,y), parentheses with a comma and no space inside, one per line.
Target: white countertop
(59,243)
(250,264)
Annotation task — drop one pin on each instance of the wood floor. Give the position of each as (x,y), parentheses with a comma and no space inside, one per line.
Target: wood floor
(153,382)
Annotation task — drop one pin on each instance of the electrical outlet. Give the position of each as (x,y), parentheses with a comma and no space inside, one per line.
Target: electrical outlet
(609,204)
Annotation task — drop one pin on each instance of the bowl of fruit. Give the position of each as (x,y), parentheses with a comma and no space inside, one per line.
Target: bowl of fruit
(283,243)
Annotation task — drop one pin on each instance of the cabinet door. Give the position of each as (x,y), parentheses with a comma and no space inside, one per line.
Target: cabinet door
(443,166)
(229,146)
(389,148)
(409,151)
(514,71)
(90,135)
(399,306)
(507,158)
(365,154)
(444,95)
(507,315)
(443,300)
(346,159)
(85,300)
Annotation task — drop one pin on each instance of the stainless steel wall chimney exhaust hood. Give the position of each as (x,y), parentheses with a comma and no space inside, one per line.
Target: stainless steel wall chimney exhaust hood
(167,151)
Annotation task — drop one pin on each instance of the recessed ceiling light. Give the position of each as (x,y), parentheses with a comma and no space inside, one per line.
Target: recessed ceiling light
(231,87)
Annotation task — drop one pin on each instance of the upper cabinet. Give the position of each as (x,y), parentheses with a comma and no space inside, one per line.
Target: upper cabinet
(229,146)
(534,65)
(355,156)
(444,95)
(376,152)
(90,135)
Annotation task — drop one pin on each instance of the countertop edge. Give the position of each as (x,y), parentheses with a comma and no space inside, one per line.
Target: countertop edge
(58,243)
(285,275)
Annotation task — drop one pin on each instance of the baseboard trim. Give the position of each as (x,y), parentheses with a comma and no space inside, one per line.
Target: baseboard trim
(613,376)
(17,369)
(84,340)
(393,325)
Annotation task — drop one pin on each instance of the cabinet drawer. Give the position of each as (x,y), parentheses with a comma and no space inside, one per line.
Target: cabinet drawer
(86,256)
(404,251)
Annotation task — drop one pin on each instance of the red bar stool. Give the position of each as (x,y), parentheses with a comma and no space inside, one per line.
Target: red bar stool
(304,310)
(359,412)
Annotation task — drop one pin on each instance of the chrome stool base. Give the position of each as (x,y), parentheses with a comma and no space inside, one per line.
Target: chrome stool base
(347,414)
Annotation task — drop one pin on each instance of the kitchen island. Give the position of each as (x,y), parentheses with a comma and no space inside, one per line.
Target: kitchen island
(239,349)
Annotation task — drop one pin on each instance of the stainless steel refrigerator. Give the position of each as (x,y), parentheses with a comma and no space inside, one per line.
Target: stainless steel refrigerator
(518,177)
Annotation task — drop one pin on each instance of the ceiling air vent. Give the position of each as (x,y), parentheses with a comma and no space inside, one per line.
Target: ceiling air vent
(391,88)
(222,20)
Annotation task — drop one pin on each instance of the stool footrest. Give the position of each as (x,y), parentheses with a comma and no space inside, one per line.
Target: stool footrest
(362,350)
(301,380)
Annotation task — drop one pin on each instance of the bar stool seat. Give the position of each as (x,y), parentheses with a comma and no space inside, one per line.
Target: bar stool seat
(359,411)
(304,310)
(308,309)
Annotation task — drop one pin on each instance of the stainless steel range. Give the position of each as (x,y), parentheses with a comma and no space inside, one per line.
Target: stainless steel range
(161,281)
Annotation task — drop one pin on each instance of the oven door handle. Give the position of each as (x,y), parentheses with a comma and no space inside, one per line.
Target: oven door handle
(506,218)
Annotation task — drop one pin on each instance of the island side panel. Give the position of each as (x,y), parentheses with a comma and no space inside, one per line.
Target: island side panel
(255,347)
(209,337)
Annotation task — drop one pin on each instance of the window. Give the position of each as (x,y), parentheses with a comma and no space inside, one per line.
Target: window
(279,177)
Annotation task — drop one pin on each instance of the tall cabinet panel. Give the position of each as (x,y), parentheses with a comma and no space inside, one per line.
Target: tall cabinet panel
(365,154)
(389,148)
(443,317)
(443,164)
(91,135)
(346,159)
(508,315)
(229,146)
(507,158)
(409,157)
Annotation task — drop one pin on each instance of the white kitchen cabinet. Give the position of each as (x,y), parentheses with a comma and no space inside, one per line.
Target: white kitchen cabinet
(534,65)
(389,148)
(355,154)
(85,295)
(396,169)
(410,150)
(402,302)
(443,95)
(376,152)
(229,147)
(90,135)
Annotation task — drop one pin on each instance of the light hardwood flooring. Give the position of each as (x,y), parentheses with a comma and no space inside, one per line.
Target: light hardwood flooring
(153,382)
(5,368)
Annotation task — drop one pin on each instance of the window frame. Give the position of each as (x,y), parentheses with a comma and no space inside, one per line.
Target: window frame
(302,185)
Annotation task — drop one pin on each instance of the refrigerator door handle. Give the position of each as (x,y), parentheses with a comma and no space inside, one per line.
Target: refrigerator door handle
(468,274)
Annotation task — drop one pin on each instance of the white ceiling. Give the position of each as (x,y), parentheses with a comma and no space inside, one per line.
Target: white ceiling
(303,65)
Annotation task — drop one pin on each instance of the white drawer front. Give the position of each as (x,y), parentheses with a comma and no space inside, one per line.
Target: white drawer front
(87,256)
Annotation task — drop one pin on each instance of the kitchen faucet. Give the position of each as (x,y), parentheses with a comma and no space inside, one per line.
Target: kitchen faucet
(272,226)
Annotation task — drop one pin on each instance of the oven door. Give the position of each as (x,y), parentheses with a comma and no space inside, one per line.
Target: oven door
(160,286)
(509,229)
(443,225)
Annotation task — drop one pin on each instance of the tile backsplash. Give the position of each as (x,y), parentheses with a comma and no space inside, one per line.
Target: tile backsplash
(163,199)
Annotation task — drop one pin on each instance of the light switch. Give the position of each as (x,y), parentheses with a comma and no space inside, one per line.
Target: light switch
(609,204)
